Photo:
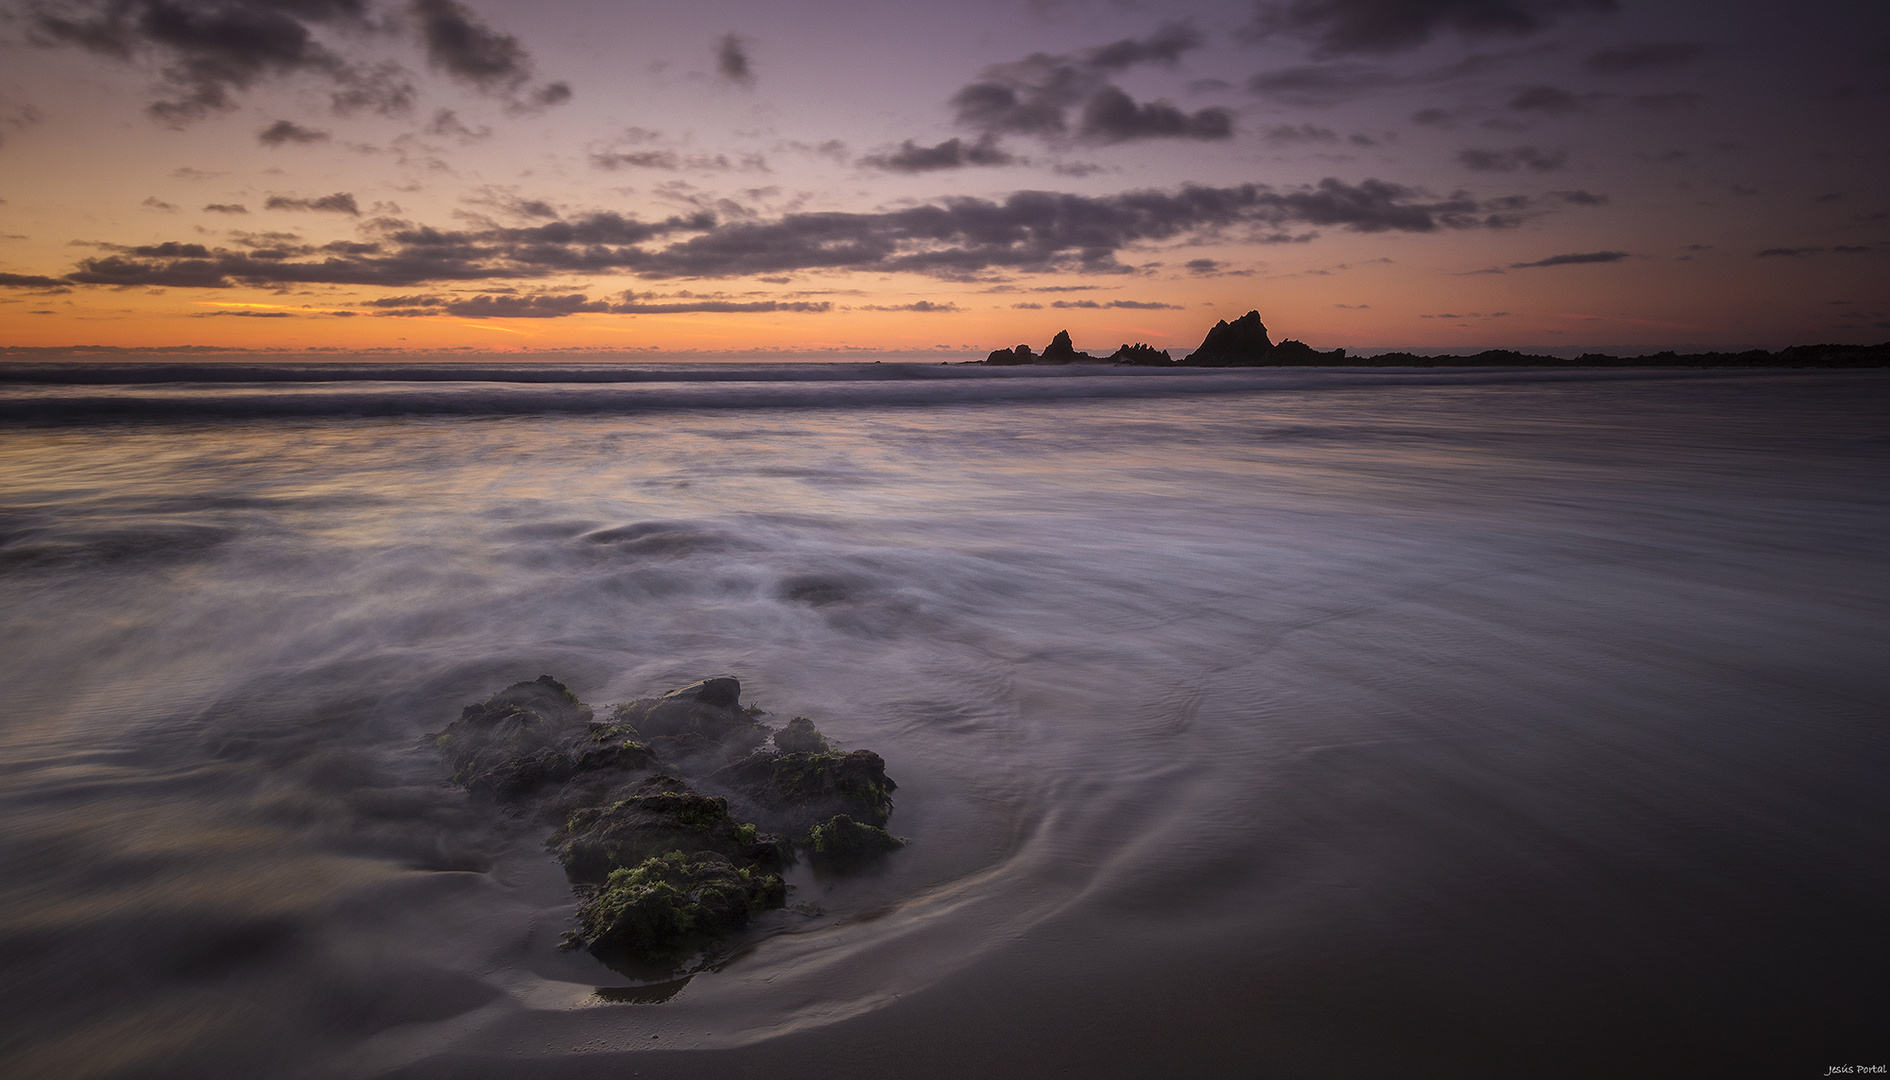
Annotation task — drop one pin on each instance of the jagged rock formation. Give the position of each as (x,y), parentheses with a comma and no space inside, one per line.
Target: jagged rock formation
(1241,343)
(1062,351)
(1244,343)
(671,866)
(1141,355)
(1290,353)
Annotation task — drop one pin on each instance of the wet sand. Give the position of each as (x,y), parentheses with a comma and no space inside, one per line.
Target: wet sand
(1433,729)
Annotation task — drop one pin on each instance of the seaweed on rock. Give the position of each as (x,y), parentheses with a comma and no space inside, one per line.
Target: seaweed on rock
(670,866)
(667,903)
(798,791)
(660,813)
(842,843)
(799,737)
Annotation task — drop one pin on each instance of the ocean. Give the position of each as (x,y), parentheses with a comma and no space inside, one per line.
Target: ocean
(1270,723)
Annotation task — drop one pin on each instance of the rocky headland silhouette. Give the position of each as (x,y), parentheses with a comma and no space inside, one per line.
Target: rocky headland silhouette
(1245,342)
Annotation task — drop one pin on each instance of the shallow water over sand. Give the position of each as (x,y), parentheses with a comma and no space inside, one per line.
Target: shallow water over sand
(1427,725)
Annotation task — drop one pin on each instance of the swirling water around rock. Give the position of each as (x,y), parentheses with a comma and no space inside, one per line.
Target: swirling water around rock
(1490,712)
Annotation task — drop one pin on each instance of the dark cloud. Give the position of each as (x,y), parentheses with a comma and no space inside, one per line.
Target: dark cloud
(1164,46)
(463,47)
(226,208)
(1033,96)
(994,108)
(731,60)
(208,51)
(503,306)
(340,202)
(1580,198)
(1302,133)
(917,305)
(952,238)
(671,161)
(1128,305)
(386,89)
(1324,84)
(1648,56)
(1112,116)
(1790,253)
(630,305)
(460,45)
(407,302)
(1443,118)
(950,154)
(1552,100)
(553,306)
(1316,85)
(286,131)
(155,203)
(1568,260)
(555,93)
(31,281)
(1516,157)
(1202,266)
(1027,306)
(447,124)
(1338,27)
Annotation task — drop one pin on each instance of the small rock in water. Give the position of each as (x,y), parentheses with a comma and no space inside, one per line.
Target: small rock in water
(841,841)
(676,867)
(723,691)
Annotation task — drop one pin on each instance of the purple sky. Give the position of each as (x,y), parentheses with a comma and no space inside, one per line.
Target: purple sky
(850,178)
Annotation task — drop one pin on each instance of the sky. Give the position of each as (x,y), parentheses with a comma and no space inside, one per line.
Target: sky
(863,178)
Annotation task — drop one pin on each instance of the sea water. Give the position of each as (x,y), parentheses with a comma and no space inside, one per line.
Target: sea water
(1245,723)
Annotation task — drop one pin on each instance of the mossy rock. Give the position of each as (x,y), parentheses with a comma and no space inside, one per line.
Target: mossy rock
(799,737)
(518,740)
(536,745)
(843,842)
(660,813)
(666,904)
(698,728)
(795,792)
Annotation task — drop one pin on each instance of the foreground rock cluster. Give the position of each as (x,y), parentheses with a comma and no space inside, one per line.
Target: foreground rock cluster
(674,815)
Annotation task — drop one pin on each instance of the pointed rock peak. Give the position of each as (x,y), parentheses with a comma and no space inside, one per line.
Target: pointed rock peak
(1241,342)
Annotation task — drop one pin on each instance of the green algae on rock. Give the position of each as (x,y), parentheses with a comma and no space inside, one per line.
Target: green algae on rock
(841,842)
(799,737)
(798,791)
(669,867)
(665,904)
(660,813)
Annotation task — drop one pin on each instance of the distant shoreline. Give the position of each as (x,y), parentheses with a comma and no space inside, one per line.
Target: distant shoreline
(1796,356)
(96,365)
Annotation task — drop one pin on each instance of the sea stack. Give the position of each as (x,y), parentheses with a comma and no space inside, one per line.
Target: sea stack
(1241,343)
(1062,351)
